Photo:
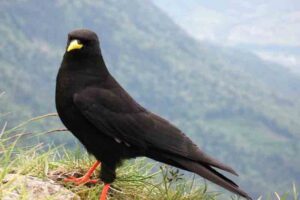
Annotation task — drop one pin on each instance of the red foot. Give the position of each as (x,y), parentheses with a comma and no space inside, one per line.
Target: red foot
(81,180)
(104,192)
(85,178)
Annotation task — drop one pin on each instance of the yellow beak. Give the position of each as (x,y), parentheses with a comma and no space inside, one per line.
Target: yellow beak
(74,44)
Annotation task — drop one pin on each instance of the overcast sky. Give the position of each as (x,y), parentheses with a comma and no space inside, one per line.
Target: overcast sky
(270,28)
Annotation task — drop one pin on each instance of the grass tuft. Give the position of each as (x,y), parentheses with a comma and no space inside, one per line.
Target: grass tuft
(138,179)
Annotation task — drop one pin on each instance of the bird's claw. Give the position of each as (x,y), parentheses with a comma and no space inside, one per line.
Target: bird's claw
(81,180)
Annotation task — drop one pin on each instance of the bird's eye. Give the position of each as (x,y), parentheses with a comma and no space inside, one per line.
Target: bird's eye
(83,41)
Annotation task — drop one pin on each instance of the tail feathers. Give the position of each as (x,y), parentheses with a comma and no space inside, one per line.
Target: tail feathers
(207,160)
(220,175)
(212,175)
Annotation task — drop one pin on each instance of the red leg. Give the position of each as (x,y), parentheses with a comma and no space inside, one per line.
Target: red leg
(86,177)
(104,192)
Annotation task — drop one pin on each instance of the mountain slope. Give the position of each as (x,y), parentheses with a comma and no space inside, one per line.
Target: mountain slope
(235,106)
(251,25)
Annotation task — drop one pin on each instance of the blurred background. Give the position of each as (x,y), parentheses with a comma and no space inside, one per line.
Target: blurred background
(225,72)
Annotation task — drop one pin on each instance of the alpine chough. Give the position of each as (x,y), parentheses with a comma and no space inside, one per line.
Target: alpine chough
(112,126)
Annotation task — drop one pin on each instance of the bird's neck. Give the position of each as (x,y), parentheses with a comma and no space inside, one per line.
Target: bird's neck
(91,65)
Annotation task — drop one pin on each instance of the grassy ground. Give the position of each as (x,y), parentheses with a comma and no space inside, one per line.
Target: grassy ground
(137,179)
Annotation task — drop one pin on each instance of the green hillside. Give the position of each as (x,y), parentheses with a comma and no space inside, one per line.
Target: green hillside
(238,108)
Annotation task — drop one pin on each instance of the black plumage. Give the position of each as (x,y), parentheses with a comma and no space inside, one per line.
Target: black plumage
(113,126)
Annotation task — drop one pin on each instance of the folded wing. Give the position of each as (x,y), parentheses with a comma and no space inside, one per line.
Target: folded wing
(121,118)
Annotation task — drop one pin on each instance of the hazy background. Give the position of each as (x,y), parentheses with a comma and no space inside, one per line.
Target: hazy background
(270,29)
(225,72)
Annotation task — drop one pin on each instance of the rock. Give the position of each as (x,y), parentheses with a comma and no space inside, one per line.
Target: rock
(33,188)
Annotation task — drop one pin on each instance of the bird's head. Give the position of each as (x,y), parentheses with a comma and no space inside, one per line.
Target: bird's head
(82,42)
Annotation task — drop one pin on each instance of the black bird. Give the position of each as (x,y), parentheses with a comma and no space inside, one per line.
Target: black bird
(113,126)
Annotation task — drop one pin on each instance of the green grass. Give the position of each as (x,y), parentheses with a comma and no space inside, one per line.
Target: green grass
(138,179)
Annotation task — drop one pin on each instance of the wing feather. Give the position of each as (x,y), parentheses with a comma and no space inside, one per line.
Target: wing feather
(121,117)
